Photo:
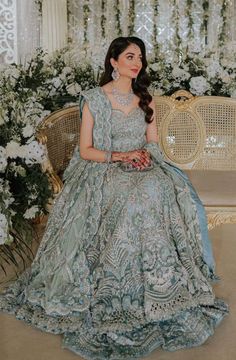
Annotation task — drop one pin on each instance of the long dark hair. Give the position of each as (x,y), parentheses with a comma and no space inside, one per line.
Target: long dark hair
(141,83)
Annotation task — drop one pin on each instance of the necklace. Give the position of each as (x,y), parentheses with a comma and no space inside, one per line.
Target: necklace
(121,98)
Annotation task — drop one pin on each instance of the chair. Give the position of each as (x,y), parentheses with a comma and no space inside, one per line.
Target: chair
(59,131)
(198,134)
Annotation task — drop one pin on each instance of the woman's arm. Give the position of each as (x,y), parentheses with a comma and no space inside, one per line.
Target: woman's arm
(151,132)
(87,151)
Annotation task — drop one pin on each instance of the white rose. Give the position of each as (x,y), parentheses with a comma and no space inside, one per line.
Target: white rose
(158,92)
(28,131)
(67,70)
(35,152)
(31,212)
(3,221)
(67,73)
(199,85)
(3,159)
(56,82)
(14,150)
(3,229)
(213,68)
(73,89)
(225,77)
(52,92)
(13,74)
(7,202)
(228,64)
(3,236)
(180,73)
(154,67)
(20,170)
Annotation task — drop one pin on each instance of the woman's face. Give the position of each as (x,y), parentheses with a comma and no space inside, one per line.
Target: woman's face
(129,62)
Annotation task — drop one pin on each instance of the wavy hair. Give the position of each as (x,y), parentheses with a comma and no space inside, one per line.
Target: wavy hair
(141,83)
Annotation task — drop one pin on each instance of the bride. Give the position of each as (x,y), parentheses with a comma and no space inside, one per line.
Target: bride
(125,265)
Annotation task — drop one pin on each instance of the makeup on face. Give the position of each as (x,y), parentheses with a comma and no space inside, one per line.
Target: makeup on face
(130,59)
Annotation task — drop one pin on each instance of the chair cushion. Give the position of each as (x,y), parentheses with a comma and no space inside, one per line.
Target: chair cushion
(214,187)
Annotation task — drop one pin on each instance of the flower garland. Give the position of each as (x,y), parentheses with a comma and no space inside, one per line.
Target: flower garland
(223,13)
(204,25)
(196,34)
(190,18)
(175,16)
(39,4)
(86,13)
(131,17)
(117,17)
(155,16)
(103,18)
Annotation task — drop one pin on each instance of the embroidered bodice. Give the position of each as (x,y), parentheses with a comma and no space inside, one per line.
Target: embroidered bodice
(128,131)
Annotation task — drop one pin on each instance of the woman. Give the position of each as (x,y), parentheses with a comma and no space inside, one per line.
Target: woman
(125,264)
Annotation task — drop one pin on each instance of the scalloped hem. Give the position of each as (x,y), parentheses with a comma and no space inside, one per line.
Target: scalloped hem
(169,335)
(82,338)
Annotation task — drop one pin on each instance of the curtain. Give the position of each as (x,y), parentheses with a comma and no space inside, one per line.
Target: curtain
(54,24)
(28,29)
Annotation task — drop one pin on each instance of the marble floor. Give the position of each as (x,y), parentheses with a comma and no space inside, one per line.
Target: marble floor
(19,341)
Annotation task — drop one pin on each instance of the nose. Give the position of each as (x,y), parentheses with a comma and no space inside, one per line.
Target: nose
(138,62)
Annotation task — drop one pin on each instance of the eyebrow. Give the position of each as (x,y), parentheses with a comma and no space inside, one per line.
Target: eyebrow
(130,53)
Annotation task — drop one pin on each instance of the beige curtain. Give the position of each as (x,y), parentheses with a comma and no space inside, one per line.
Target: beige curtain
(54,24)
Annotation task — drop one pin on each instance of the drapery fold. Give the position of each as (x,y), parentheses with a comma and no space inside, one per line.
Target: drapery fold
(54,24)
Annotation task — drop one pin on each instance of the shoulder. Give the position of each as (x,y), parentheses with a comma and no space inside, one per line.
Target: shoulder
(95,100)
(92,96)
(90,92)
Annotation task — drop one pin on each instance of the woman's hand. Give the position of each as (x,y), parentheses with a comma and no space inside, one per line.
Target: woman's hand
(138,158)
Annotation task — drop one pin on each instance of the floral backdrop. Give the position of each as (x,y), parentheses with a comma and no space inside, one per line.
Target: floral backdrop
(166,26)
(46,83)
(28,94)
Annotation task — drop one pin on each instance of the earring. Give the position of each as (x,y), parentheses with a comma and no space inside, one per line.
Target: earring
(115,74)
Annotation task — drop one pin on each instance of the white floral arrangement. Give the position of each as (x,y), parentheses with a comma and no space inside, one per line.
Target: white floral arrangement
(28,94)
(199,74)
(20,153)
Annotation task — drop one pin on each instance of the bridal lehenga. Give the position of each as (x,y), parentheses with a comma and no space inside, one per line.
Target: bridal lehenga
(125,265)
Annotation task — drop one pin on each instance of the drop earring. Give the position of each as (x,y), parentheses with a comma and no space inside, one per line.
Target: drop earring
(115,74)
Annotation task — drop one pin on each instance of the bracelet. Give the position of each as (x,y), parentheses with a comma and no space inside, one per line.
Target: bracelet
(108,155)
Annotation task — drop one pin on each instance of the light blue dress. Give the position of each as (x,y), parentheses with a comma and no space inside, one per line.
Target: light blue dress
(125,265)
